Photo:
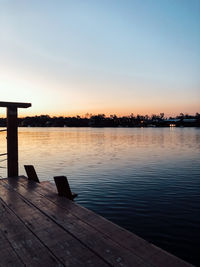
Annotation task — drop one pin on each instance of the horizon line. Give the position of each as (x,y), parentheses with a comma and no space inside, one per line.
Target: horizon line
(88,115)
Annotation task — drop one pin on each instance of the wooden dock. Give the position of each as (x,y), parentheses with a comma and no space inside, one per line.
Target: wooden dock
(40,228)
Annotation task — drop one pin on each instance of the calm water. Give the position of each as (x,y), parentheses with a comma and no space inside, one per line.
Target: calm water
(146,180)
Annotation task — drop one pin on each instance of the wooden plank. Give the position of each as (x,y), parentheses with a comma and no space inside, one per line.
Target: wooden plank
(163,258)
(29,250)
(101,245)
(14,104)
(68,249)
(142,248)
(8,256)
(12,141)
(31,173)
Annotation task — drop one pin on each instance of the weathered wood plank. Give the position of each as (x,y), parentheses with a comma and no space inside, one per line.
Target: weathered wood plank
(14,104)
(101,245)
(8,256)
(22,242)
(59,242)
(142,248)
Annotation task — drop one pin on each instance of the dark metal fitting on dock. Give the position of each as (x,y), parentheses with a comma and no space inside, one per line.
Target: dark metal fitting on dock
(63,187)
(31,173)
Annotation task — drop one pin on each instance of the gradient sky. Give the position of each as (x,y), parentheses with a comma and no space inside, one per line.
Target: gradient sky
(105,56)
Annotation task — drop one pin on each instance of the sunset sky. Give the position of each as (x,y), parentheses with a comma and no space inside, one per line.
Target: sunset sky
(105,56)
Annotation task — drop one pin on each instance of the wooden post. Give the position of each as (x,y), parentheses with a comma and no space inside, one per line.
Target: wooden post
(12,137)
(63,187)
(31,173)
(12,141)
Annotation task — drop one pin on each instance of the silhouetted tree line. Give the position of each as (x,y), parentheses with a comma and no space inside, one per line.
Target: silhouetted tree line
(101,120)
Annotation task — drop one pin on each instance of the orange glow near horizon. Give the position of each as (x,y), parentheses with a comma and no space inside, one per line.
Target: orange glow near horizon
(28,112)
(53,98)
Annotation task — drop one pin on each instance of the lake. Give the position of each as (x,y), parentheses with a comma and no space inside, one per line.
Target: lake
(146,180)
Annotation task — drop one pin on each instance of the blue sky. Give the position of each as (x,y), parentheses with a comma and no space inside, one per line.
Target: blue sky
(74,57)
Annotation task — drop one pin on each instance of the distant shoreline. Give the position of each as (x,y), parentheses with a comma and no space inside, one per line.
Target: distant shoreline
(111,127)
(100,121)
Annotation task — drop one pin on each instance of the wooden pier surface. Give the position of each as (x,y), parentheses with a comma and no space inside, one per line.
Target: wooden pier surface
(39,228)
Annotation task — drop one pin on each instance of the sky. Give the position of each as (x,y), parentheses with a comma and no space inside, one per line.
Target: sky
(106,56)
